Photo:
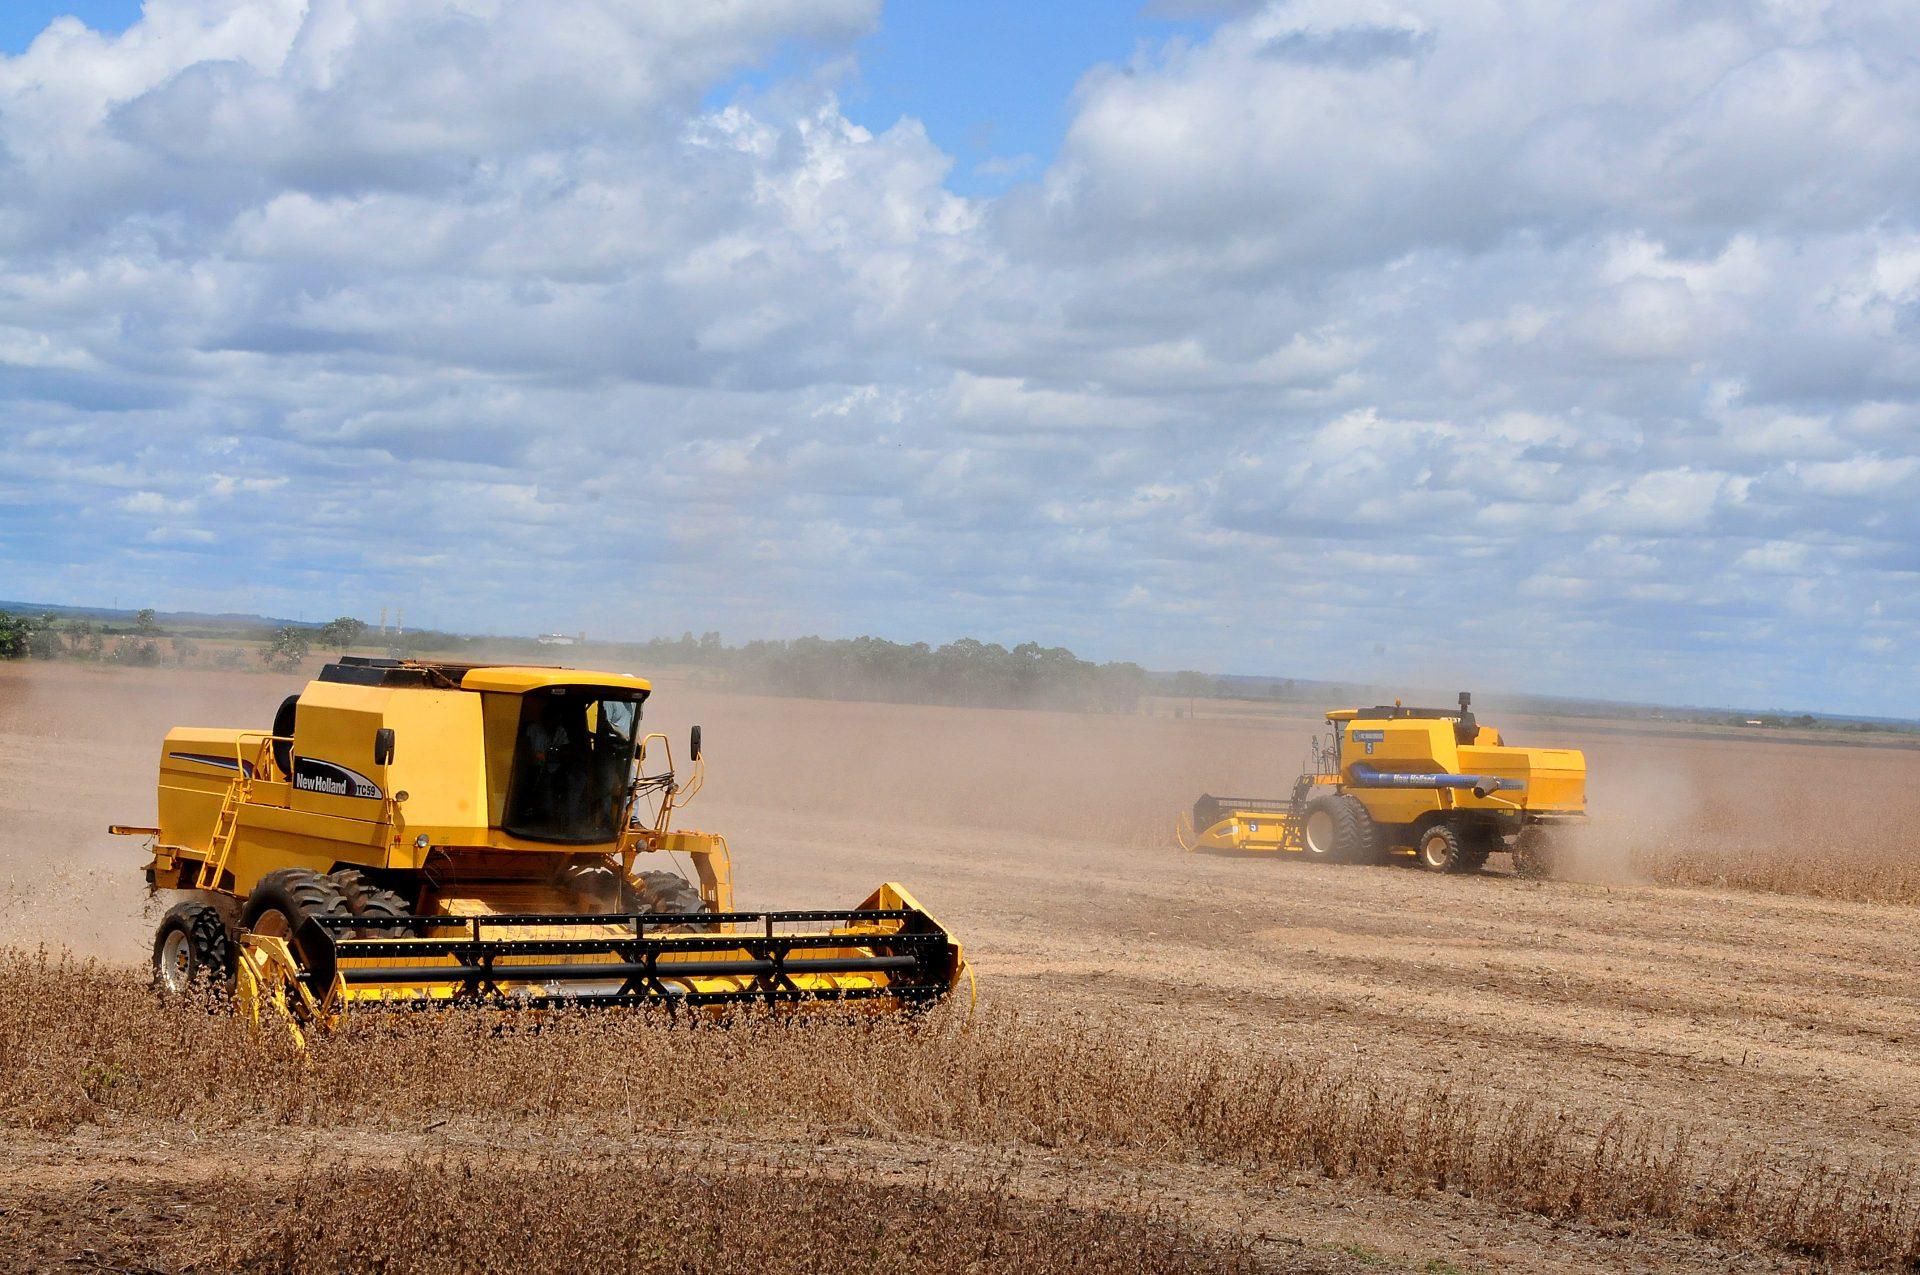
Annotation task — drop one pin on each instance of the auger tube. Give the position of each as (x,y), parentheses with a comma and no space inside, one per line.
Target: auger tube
(1364,776)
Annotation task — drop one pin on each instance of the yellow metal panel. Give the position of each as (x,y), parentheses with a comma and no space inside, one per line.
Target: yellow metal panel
(518,680)
(270,837)
(258,820)
(333,750)
(196,765)
(501,714)
(1398,744)
(439,760)
(437,757)
(1398,805)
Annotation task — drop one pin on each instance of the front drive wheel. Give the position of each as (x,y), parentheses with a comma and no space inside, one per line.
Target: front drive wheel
(283,904)
(1340,830)
(1319,831)
(666,893)
(192,949)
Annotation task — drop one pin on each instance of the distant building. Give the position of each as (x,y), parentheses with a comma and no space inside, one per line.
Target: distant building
(557,639)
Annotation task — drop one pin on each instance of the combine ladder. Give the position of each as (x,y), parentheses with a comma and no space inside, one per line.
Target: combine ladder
(225,825)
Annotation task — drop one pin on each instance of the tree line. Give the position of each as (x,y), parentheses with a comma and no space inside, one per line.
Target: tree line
(967,672)
(144,643)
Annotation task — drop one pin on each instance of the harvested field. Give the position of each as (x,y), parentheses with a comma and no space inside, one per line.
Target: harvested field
(1212,1061)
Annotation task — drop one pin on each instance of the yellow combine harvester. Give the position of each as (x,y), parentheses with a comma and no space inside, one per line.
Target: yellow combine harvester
(1428,782)
(422,833)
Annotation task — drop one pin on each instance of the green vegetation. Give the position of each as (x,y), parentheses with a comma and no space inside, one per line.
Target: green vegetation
(146,639)
(16,636)
(966,672)
(286,650)
(343,634)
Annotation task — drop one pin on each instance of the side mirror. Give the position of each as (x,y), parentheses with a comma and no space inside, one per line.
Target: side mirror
(383,746)
(693,744)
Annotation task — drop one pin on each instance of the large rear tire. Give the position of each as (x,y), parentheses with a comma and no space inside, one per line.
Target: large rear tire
(193,949)
(1339,829)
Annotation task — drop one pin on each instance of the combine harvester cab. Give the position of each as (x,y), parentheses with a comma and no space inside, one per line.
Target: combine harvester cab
(431,834)
(1430,783)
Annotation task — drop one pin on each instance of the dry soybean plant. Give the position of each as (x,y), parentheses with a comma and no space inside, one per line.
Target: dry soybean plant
(678,1212)
(82,1043)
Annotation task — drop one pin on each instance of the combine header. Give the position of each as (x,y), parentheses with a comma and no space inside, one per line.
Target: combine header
(419,833)
(1432,783)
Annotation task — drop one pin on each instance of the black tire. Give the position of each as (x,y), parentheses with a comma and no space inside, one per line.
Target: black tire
(666,893)
(1442,849)
(1478,840)
(1536,853)
(1357,835)
(1339,829)
(284,904)
(595,888)
(364,898)
(283,727)
(193,948)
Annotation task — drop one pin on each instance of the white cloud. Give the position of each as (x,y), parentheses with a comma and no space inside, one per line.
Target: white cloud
(1555,338)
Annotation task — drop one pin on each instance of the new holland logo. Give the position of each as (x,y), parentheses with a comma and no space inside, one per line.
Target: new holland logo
(310,775)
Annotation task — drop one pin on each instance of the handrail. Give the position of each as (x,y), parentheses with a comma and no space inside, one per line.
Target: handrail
(262,751)
(673,794)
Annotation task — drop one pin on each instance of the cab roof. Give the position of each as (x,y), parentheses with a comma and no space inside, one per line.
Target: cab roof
(528,677)
(1391,712)
(448,675)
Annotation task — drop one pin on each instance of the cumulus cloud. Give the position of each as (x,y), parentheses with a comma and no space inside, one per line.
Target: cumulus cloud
(1570,351)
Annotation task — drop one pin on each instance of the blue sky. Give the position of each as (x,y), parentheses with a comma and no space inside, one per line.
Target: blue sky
(21,20)
(990,79)
(1531,349)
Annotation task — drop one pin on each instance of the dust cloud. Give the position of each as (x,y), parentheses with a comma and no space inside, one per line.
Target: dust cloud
(79,750)
(1641,799)
(822,800)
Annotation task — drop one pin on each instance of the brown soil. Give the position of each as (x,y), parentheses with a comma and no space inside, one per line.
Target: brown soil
(1765,1020)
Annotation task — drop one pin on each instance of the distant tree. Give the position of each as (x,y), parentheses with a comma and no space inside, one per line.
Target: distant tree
(1191,684)
(287,649)
(145,623)
(342,633)
(85,640)
(16,632)
(139,652)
